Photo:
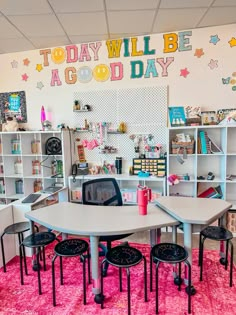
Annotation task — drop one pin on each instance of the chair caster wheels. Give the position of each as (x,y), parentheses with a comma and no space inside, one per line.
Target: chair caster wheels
(99,298)
(36,267)
(223,261)
(178,280)
(192,290)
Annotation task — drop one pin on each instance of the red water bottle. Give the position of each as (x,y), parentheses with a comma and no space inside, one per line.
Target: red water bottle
(144,195)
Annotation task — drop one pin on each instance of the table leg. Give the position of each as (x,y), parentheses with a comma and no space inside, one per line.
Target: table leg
(155,237)
(174,240)
(33,250)
(188,246)
(94,241)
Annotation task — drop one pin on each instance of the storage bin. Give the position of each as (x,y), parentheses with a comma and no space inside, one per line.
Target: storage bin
(182,147)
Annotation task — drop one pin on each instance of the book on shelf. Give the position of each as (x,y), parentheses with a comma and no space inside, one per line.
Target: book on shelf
(226,116)
(212,192)
(177,116)
(193,115)
(204,141)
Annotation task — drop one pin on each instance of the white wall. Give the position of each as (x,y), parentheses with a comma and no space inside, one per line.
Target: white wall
(203,86)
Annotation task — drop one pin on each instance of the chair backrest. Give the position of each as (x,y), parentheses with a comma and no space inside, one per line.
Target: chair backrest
(101,191)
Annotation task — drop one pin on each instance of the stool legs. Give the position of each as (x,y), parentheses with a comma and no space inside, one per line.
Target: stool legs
(20,240)
(61,278)
(179,285)
(39,277)
(3,254)
(128,282)
(231,264)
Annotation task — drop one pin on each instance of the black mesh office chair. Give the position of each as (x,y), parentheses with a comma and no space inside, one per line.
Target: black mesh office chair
(103,192)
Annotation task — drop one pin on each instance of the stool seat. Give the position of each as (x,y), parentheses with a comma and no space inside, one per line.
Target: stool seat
(71,247)
(39,239)
(169,253)
(124,256)
(19,227)
(217,233)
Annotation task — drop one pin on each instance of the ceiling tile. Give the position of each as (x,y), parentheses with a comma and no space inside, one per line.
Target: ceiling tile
(219,16)
(24,7)
(88,38)
(14,45)
(37,25)
(62,6)
(84,23)
(169,20)
(43,42)
(7,30)
(170,4)
(224,3)
(130,21)
(131,4)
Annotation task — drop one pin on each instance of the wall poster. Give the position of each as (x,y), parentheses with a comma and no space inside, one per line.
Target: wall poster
(13,104)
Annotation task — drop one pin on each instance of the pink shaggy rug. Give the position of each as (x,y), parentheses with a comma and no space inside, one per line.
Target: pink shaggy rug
(213,297)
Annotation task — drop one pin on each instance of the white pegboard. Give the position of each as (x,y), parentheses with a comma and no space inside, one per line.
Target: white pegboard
(143,109)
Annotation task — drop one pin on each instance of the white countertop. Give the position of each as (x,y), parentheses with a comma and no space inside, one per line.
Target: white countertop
(194,210)
(99,220)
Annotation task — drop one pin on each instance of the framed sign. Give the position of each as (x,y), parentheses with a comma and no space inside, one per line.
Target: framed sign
(13,104)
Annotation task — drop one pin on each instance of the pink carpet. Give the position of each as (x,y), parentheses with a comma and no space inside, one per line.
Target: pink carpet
(214,297)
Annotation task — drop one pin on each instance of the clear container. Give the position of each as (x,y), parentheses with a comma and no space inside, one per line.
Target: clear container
(19,186)
(36,167)
(15,146)
(35,146)
(18,167)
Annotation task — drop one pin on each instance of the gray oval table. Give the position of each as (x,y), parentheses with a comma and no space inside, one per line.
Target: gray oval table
(94,221)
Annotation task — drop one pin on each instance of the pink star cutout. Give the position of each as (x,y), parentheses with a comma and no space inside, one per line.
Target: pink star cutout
(184,72)
(24,77)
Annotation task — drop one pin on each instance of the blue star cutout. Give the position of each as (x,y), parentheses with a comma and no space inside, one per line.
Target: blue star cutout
(214,39)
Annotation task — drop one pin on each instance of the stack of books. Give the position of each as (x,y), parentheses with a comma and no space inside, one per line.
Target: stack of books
(206,145)
(212,192)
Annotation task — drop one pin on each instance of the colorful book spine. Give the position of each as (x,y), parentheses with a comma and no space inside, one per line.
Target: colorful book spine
(202,136)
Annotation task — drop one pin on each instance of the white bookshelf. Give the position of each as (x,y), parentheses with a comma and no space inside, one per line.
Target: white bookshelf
(8,158)
(220,164)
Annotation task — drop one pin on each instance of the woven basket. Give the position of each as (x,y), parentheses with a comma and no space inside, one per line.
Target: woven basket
(182,147)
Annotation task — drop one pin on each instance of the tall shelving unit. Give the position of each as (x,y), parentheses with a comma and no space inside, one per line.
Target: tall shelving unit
(196,165)
(9,156)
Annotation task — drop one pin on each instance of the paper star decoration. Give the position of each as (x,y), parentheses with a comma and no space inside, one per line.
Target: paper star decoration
(214,39)
(40,85)
(232,42)
(199,52)
(26,62)
(24,77)
(213,64)
(39,67)
(184,72)
(14,64)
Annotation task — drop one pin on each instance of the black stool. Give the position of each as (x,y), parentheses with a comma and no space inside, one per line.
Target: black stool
(124,257)
(172,254)
(17,228)
(37,240)
(217,233)
(70,248)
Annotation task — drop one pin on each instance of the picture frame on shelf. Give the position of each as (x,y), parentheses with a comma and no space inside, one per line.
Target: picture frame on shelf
(209,118)
(177,116)
(193,115)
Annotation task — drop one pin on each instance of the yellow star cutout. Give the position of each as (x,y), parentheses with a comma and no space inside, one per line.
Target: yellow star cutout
(39,67)
(232,42)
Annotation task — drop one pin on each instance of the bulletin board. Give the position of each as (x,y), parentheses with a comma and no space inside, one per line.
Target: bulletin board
(13,104)
(143,109)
